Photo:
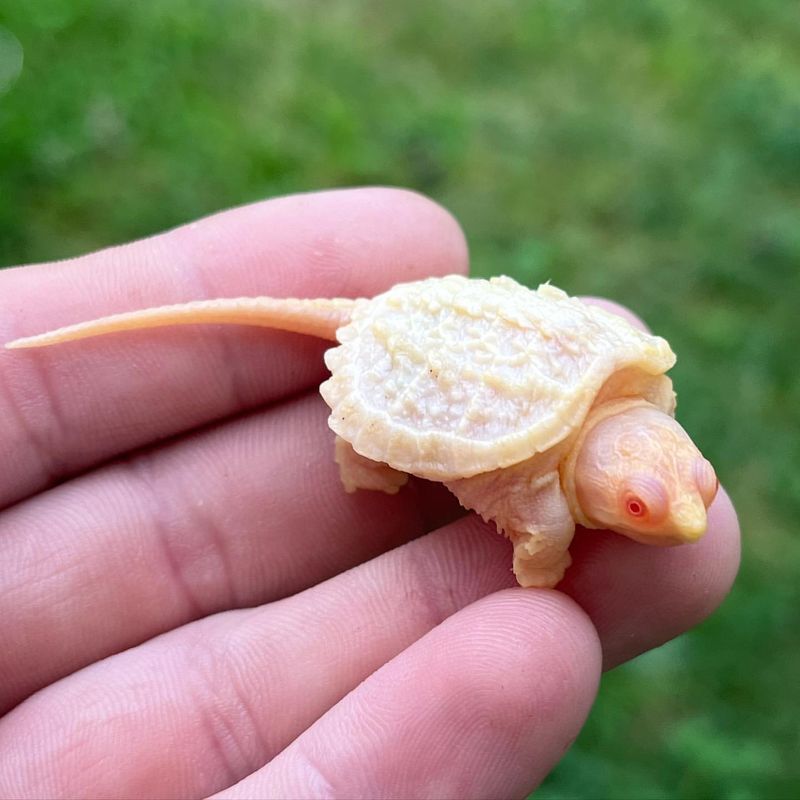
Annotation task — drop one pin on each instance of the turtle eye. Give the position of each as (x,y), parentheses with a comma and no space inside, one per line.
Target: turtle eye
(635,507)
(645,499)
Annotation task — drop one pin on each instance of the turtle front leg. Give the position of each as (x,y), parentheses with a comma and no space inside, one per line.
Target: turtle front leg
(530,508)
(358,472)
(541,549)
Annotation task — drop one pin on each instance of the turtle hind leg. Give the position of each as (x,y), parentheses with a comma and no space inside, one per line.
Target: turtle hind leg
(358,472)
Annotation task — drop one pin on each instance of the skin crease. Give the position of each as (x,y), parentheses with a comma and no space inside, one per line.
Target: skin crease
(153,704)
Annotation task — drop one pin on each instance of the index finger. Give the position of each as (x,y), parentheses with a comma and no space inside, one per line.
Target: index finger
(66,409)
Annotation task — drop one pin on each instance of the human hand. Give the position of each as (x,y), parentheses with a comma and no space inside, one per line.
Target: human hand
(210,612)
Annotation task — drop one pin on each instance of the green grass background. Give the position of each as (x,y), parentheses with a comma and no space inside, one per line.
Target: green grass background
(648,151)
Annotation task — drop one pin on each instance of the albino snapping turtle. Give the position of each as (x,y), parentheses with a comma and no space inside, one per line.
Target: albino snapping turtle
(535,409)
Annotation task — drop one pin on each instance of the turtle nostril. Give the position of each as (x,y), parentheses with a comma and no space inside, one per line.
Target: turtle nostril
(706,480)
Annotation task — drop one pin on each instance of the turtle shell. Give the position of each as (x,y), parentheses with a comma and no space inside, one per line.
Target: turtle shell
(450,377)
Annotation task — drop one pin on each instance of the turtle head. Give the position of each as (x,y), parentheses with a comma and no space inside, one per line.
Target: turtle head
(638,473)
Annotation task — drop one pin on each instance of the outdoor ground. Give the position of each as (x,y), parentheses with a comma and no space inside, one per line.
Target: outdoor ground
(647,150)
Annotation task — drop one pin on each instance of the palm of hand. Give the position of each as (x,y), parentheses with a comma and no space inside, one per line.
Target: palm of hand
(212,612)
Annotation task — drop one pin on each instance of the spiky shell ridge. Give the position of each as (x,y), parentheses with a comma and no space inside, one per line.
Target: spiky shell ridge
(450,377)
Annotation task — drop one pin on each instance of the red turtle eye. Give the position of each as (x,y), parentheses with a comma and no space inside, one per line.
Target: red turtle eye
(636,507)
(645,499)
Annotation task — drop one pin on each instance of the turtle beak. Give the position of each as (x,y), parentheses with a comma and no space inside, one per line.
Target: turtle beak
(688,520)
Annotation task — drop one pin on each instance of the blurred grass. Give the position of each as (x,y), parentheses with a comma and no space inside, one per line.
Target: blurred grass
(648,151)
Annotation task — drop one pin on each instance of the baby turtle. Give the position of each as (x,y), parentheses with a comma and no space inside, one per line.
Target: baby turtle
(537,410)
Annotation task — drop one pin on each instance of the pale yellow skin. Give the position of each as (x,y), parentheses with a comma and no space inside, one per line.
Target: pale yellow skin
(536,410)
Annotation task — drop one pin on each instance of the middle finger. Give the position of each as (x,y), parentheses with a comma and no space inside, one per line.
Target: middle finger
(240,514)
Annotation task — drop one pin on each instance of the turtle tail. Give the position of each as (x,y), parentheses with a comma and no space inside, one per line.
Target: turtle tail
(321,318)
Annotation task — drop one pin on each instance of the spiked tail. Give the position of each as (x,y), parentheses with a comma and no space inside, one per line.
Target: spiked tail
(321,318)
